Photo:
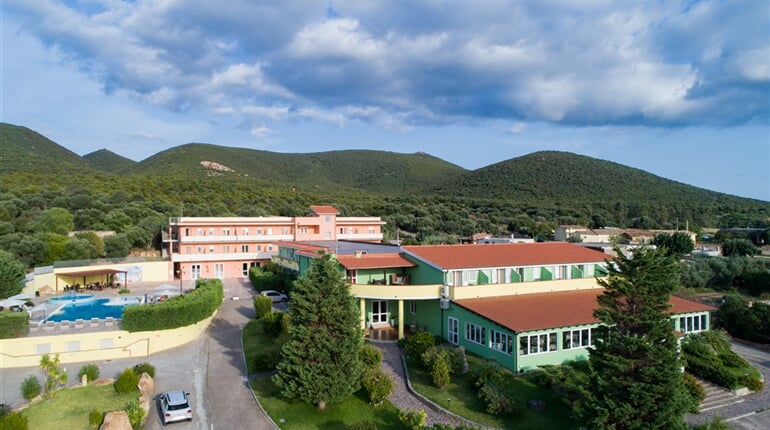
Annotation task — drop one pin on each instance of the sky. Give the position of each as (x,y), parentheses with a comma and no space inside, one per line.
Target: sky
(680,89)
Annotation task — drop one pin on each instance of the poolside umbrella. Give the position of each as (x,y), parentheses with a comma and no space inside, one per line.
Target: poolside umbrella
(22,296)
(8,303)
(168,292)
(165,287)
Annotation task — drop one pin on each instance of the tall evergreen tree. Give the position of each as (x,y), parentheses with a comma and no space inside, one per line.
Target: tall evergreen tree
(320,361)
(634,378)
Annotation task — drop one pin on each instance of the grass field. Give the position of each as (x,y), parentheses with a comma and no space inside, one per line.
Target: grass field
(69,407)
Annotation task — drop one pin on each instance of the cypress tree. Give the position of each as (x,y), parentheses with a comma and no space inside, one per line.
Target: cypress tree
(320,360)
(634,378)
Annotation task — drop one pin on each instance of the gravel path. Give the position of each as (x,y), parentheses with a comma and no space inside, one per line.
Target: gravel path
(401,397)
(759,358)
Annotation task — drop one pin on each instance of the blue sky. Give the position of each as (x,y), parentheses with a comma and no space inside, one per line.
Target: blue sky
(680,89)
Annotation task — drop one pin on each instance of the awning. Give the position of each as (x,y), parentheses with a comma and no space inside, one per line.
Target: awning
(92,273)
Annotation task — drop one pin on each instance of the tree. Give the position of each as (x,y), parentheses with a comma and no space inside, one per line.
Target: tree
(677,244)
(55,376)
(55,220)
(12,272)
(738,247)
(320,361)
(116,245)
(634,375)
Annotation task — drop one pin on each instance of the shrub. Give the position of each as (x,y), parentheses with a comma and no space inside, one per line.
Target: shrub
(180,311)
(95,418)
(752,382)
(440,371)
(91,371)
(711,371)
(413,419)
(717,339)
(717,424)
(124,291)
(144,367)
(695,389)
(363,425)
(378,385)
(30,387)
(135,414)
(418,343)
(272,324)
(265,361)
(263,305)
(490,372)
(370,356)
(497,403)
(731,359)
(13,421)
(126,382)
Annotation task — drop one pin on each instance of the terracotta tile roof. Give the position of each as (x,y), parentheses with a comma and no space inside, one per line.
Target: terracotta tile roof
(324,210)
(528,312)
(505,254)
(374,261)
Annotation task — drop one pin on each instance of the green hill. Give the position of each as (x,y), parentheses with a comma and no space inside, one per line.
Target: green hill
(561,177)
(108,161)
(25,150)
(373,171)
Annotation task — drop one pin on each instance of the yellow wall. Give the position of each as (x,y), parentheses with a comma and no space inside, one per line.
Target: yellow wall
(404,292)
(151,271)
(417,292)
(23,352)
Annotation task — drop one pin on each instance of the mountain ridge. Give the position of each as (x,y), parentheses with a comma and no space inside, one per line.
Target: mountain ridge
(550,177)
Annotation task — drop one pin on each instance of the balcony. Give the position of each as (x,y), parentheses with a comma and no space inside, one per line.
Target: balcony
(509,289)
(233,256)
(255,238)
(396,292)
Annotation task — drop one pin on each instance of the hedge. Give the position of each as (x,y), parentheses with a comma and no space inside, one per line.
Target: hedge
(176,312)
(712,370)
(13,324)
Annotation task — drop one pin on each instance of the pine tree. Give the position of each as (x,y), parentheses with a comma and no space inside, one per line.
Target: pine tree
(634,378)
(320,361)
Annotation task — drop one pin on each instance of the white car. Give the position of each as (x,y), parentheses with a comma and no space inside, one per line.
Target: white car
(275,296)
(174,406)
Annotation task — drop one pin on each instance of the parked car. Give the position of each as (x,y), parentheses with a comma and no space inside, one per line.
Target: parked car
(275,296)
(175,406)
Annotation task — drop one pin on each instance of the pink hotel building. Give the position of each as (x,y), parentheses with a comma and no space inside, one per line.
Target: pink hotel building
(226,247)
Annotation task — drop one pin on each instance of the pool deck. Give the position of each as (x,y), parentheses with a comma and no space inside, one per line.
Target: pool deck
(138,289)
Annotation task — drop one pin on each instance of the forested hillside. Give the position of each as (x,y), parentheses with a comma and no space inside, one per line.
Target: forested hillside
(109,161)
(46,191)
(373,171)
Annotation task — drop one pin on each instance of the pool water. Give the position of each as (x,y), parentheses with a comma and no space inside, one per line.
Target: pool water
(96,308)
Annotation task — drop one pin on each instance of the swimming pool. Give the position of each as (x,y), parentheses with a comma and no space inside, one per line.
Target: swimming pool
(85,308)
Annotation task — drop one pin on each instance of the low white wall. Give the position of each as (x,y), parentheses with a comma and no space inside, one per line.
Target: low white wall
(104,345)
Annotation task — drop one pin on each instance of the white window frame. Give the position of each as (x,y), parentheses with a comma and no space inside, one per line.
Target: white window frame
(453,330)
(475,333)
(687,324)
(540,343)
(578,338)
(501,342)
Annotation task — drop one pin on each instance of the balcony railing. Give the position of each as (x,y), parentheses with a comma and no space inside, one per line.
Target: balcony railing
(254,238)
(191,258)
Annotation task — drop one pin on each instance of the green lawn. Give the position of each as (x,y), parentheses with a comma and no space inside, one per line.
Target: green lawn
(465,402)
(69,407)
(256,342)
(300,416)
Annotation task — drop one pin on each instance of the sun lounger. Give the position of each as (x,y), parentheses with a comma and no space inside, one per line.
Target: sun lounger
(79,323)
